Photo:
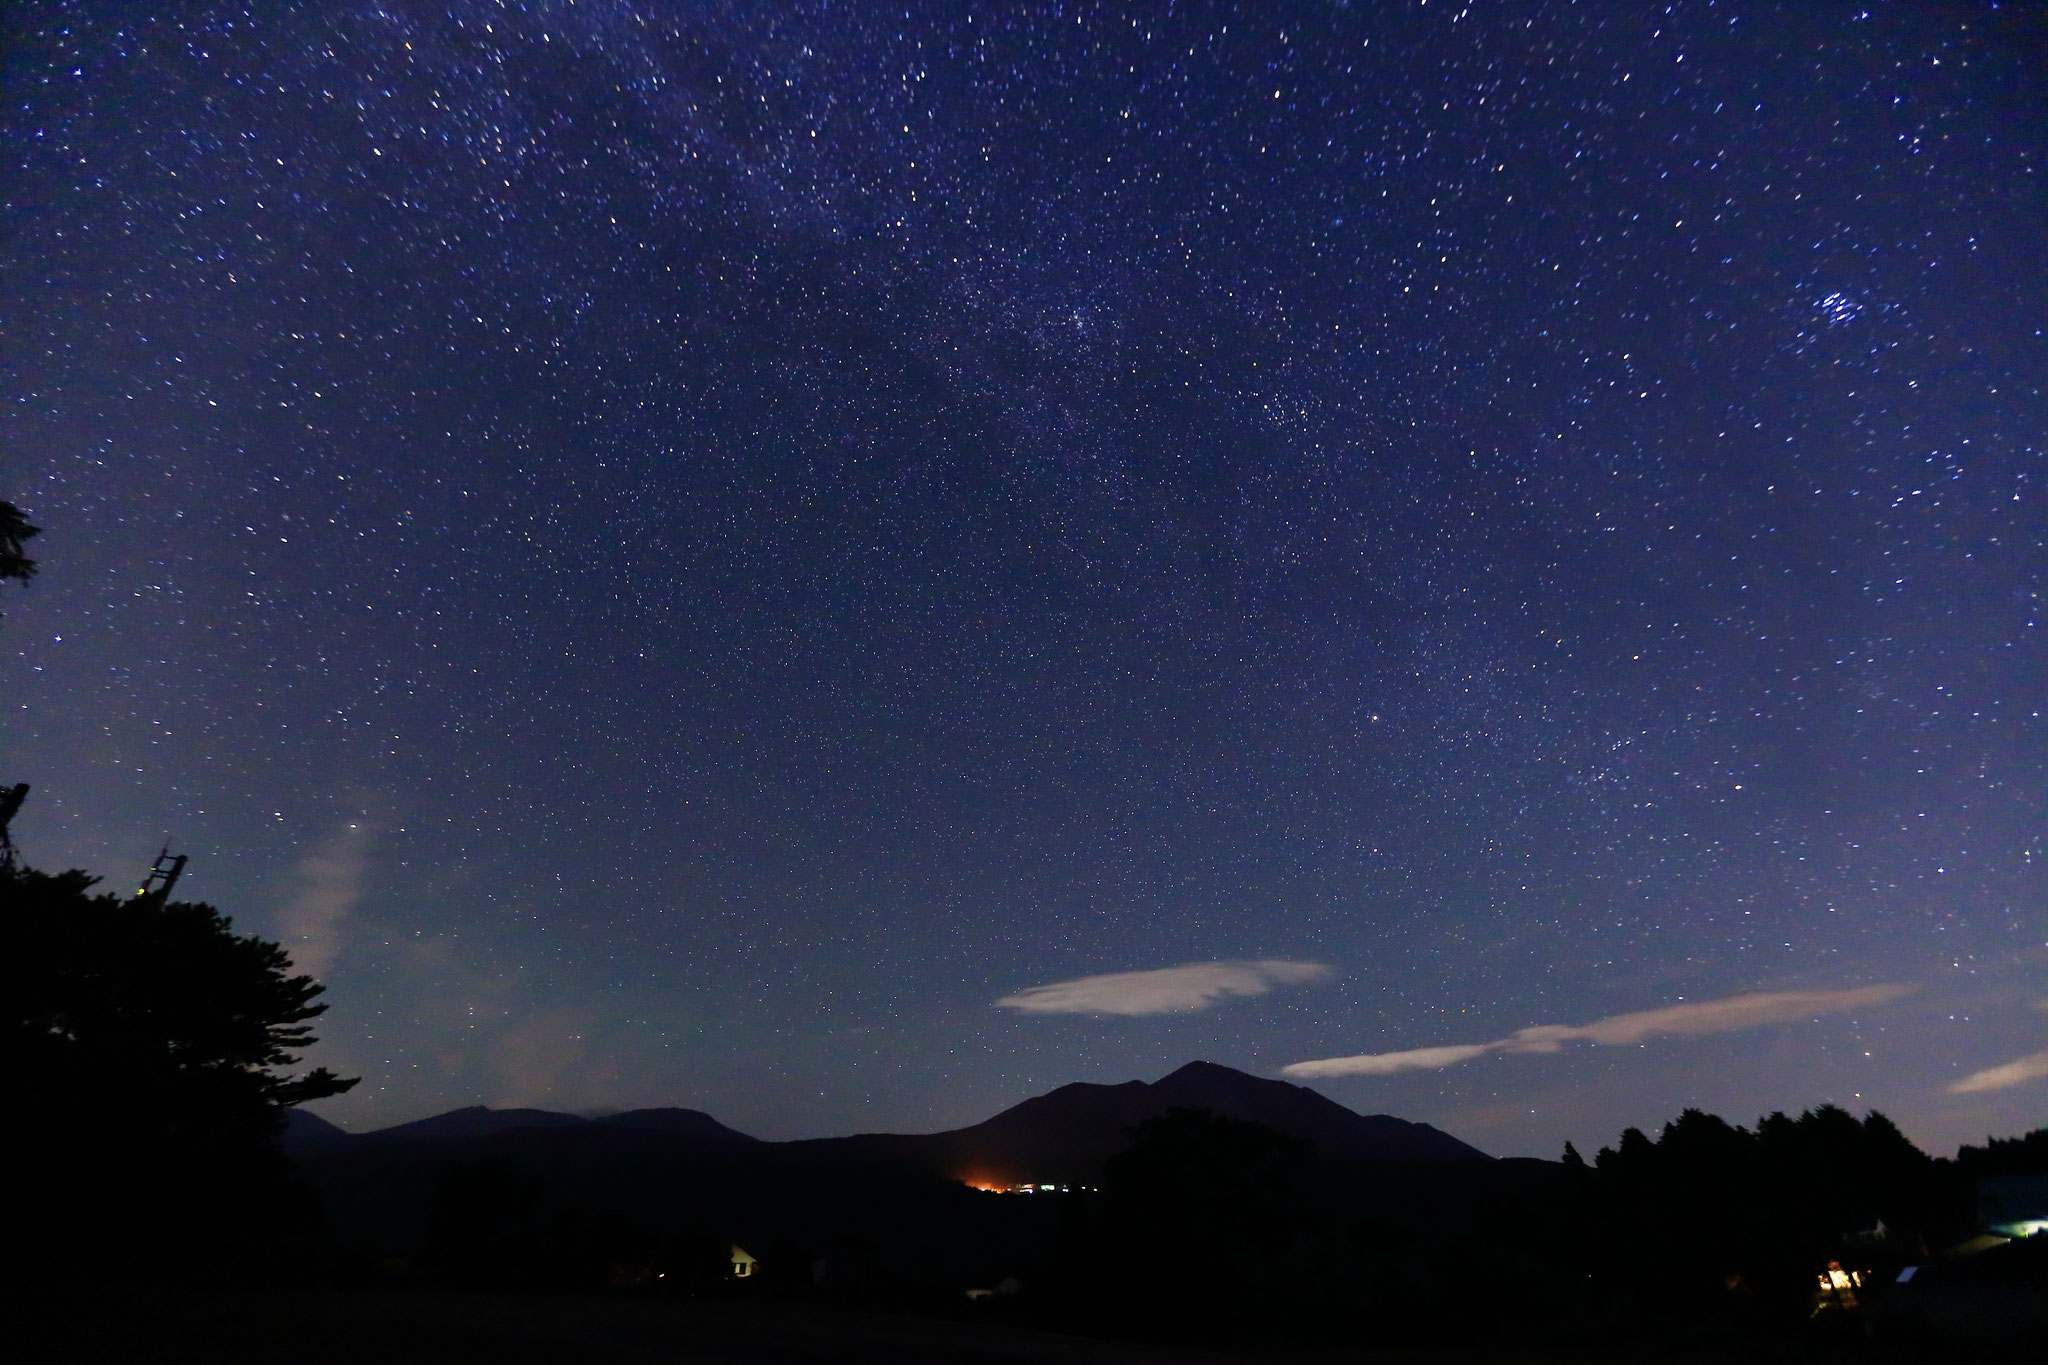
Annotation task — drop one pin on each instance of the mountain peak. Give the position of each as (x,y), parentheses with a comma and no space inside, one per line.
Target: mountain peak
(302,1127)
(1066,1134)
(682,1122)
(476,1120)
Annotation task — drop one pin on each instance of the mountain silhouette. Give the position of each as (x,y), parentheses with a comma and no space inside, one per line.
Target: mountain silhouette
(1066,1134)
(1062,1136)
(1292,1109)
(688,1123)
(675,1167)
(303,1126)
(479,1121)
(474,1121)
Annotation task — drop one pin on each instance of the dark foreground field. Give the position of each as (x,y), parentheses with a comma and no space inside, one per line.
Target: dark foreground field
(461,1329)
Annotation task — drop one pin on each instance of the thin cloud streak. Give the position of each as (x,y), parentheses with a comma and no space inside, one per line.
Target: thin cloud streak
(2028,1068)
(1169,990)
(1692,1019)
(330,882)
(1388,1063)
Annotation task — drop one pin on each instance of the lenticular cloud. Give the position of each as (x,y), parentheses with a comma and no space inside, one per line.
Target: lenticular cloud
(1692,1019)
(1169,990)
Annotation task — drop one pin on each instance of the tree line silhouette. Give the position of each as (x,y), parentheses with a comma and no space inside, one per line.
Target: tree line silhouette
(1215,1229)
(1707,1232)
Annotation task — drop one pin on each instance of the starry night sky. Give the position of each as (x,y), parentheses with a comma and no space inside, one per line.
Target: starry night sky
(681,553)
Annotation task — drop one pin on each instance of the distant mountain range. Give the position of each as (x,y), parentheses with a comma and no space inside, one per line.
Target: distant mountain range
(679,1168)
(1062,1136)
(478,1121)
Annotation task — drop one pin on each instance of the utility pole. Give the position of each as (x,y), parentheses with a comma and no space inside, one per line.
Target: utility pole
(163,875)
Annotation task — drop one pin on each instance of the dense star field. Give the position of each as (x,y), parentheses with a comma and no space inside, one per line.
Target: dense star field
(734,555)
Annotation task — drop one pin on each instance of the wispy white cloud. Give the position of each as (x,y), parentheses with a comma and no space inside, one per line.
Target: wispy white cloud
(1726,1015)
(329,883)
(1169,990)
(2029,1068)
(1387,1063)
(1691,1019)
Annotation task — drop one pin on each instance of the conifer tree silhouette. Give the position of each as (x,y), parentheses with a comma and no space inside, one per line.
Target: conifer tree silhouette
(150,1063)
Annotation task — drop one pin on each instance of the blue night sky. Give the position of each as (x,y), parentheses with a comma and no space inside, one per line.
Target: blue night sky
(740,555)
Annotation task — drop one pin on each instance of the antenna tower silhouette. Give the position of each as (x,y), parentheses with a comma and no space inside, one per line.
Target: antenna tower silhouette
(163,875)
